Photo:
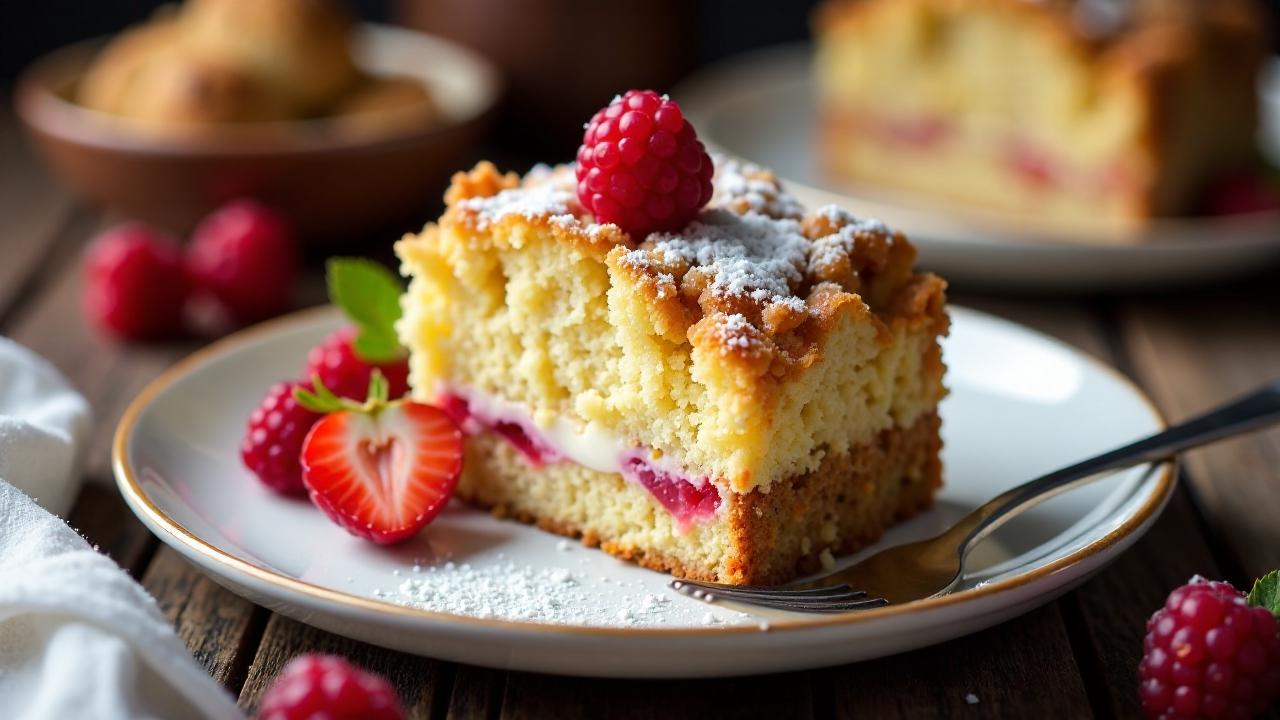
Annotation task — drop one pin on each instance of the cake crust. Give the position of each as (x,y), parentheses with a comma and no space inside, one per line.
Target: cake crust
(773,537)
(704,345)
(737,400)
(848,265)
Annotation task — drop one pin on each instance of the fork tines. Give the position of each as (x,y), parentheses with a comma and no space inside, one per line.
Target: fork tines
(837,598)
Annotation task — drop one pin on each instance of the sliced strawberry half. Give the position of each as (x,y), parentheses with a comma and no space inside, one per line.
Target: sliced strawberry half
(382,471)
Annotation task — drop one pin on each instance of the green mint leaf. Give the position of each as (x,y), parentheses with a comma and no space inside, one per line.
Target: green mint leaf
(377,346)
(1266,592)
(369,294)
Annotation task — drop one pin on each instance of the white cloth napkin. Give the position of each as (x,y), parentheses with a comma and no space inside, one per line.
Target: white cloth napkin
(43,426)
(78,637)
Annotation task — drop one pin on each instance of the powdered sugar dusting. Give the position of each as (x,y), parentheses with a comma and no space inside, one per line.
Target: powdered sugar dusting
(736,332)
(547,594)
(743,183)
(545,193)
(840,244)
(750,256)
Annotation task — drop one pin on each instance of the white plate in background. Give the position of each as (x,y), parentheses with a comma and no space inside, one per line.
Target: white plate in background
(760,107)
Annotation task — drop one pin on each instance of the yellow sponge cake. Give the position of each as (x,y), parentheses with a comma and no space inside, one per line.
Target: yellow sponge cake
(735,401)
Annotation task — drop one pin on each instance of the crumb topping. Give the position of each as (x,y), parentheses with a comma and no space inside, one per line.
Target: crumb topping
(745,187)
(751,255)
(753,276)
(540,196)
(833,248)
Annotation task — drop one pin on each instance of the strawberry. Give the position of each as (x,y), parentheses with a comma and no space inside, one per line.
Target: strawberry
(382,470)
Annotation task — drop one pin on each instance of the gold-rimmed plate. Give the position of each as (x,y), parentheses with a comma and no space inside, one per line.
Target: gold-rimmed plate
(1021,404)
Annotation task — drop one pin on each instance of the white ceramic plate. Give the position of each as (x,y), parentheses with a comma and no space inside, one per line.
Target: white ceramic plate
(1021,404)
(760,107)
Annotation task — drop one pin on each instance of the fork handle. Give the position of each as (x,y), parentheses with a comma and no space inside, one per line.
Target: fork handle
(1250,412)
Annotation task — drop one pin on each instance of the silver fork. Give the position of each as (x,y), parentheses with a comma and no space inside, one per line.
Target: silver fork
(929,568)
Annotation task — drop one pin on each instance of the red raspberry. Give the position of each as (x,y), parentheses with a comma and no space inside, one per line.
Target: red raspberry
(134,284)
(641,166)
(244,256)
(272,444)
(1209,654)
(327,687)
(346,374)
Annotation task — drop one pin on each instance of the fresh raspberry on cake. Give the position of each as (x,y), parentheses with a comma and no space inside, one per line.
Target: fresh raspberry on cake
(641,166)
(244,256)
(1213,652)
(731,399)
(327,687)
(381,470)
(134,284)
(272,444)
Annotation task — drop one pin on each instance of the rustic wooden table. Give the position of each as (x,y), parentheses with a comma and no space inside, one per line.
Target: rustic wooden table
(1073,657)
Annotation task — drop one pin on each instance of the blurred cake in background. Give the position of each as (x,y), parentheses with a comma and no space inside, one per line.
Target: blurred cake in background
(1091,113)
(212,62)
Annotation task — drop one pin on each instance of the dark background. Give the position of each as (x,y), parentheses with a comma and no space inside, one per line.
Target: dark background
(562,59)
(721,27)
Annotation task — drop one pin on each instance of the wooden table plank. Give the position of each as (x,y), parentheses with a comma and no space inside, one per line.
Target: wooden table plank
(32,209)
(1194,351)
(101,516)
(219,627)
(423,685)
(477,693)
(1107,616)
(1113,607)
(1023,668)
(531,695)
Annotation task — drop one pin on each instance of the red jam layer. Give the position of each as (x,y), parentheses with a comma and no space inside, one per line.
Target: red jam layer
(685,501)
(537,453)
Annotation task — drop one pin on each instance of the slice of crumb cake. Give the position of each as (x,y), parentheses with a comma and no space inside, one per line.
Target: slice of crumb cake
(737,401)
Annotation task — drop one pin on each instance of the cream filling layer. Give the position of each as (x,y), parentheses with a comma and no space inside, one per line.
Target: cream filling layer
(688,495)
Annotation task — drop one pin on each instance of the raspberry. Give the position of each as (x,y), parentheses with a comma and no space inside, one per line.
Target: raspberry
(346,374)
(272,444)
(244,256)
(134,284)
(641,166)
(316,687)
(1209,654)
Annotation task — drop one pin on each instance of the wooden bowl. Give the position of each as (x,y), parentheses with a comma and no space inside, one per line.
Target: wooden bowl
(334,184)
